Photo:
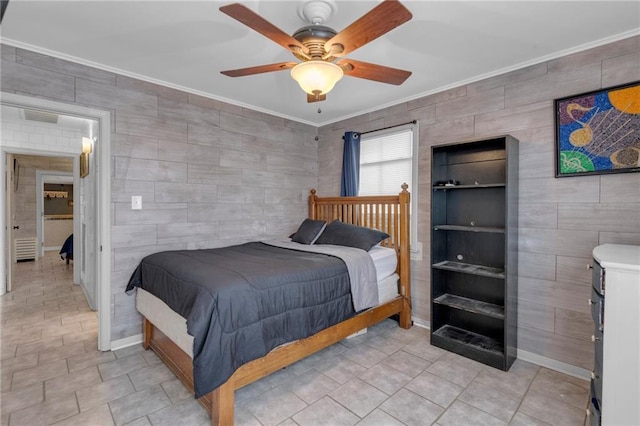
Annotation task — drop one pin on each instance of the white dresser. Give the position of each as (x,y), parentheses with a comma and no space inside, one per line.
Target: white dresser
(615,380)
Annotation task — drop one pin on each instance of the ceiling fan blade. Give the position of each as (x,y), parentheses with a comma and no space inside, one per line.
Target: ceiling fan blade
(378,21)
(313,98)
(259,69)
(373,72)
(256,22)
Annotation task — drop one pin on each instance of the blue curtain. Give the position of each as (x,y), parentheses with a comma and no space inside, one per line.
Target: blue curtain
(350,165)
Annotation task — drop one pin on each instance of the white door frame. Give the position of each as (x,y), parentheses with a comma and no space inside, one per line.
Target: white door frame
(102,152)
(9,177)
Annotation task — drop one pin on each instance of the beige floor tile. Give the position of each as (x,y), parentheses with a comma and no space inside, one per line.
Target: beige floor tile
(385,378)
(21,398)
(101,393)
(176,391)
(411,409)
(453,370)
(341,369)
(379,418)
(385,343)
(142,421)
(71,382)
(365,355)
(99,416)
(118,367)
(38,346)
(359,397)
(24,378)
(58,330)
(150,375)
(509,383)
(326,411)
(423,349)
(490,400)
(406,363)
(461,414)
(311,386)
(243,417)
(47,412)
(10,365)
(550,410)
(186,412)
(87,359)
(138,404)
(523,420)
(435,388)
(275,406)
(561,387)
(62,352)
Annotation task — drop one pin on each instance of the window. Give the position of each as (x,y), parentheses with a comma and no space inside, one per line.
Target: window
(389,158)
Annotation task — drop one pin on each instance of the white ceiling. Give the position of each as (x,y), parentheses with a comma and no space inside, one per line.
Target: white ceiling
(185,44)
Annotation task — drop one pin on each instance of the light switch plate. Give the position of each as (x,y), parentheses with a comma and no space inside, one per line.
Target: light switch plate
(136,202)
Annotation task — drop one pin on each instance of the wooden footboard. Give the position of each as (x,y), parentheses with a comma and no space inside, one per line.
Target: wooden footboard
(386,213)
(220,402)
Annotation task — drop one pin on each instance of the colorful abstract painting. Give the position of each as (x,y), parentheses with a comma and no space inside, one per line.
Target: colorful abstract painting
(599,132)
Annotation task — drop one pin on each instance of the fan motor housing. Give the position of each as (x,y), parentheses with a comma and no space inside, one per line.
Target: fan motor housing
(313,37)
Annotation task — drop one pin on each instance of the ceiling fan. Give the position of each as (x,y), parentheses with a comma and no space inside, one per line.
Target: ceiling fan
(321,49)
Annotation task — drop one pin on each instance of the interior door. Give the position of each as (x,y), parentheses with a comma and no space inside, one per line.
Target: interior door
(11,180)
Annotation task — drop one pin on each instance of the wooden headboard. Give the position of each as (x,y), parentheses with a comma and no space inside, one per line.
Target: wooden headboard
(387,213)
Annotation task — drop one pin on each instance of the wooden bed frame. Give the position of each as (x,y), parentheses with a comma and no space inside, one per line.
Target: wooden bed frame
(386,213)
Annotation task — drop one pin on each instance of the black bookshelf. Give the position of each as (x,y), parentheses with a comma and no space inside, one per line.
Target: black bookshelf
(474,241)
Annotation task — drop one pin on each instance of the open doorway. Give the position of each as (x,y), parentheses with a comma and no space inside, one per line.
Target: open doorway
(91,192)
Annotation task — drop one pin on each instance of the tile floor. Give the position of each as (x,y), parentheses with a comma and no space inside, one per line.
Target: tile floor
(52,373)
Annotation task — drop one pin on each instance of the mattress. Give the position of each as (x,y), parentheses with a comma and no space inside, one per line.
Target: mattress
(385,260)
(175,326)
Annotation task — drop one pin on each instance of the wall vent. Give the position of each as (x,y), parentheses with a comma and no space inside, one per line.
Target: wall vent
(25,248)
(41,116)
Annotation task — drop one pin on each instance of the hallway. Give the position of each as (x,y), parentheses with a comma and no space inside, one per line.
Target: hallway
(51,371)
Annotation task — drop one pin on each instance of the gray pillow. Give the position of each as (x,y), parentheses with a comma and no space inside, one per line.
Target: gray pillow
(309,231)
(343,234)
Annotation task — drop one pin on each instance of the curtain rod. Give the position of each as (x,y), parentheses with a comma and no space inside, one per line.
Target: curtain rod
(389,127)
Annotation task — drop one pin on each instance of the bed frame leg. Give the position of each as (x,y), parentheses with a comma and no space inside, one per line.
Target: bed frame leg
(147,328)
(405,315)
(222,405)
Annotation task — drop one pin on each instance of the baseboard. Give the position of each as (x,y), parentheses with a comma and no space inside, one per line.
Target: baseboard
(553,364)
(540,360)
(421,323)
(126,342)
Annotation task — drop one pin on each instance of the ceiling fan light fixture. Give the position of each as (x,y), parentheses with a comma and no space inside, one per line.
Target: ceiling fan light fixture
(317,76)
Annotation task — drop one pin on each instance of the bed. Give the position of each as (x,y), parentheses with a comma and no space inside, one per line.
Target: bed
(66,251)
(166,320)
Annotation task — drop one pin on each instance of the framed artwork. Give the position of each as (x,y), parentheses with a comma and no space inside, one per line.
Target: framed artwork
(598,132)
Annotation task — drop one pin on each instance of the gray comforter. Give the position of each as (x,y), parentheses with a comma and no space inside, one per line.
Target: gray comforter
(242,301)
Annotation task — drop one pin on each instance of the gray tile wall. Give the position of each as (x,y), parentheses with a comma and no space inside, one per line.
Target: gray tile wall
(561,220)
(210,174)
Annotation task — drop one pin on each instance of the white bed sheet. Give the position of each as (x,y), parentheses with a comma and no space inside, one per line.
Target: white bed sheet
(385,260)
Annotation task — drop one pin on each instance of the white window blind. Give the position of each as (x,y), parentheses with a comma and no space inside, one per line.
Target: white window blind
(386,162)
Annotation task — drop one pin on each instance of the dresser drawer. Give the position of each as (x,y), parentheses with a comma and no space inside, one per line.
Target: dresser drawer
(596,374)
(594,413)
(597,277)
(597,308)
